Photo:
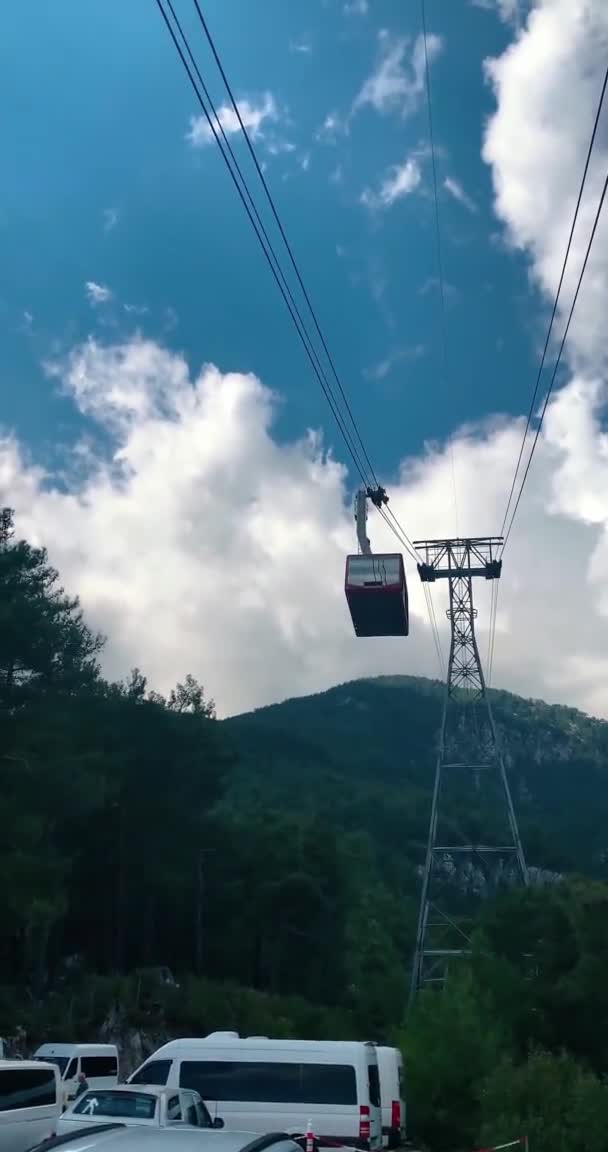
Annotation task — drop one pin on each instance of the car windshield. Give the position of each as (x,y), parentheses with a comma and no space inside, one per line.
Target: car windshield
(60,1061)
(138,1105)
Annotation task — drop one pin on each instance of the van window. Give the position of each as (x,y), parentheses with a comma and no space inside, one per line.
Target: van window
(155,1072)
(374,1085)
(72,1069)
(26,1088)
(60,1061)
(279,1083)
(99,1065)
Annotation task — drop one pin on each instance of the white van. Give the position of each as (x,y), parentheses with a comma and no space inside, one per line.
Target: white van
(260,1085)
(30,1103)
(392,1095)
(98,1062)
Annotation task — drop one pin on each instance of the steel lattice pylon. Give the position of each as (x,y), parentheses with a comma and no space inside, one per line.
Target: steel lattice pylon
(468,753)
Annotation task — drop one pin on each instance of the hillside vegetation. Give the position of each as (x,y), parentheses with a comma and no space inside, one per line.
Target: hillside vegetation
(271,861)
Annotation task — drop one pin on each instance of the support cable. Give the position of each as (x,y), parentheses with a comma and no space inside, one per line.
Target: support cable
(261,233)
(558,360)
(282,231)
(444,339)
(291,255)
(555,302)
(406,543)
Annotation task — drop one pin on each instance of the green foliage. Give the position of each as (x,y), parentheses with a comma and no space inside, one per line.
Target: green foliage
(551,1099)
(451,1042)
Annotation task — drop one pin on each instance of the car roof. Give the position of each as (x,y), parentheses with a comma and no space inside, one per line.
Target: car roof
(9,1065)
(234,1043)
(64,1048)
(134,1139)
(148,1089)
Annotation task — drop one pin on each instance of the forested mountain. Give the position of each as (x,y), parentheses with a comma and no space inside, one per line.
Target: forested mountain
(271,861)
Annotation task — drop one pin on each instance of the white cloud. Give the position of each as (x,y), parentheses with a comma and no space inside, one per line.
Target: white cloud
(396,356)
(332,128)
(136,309)
(398,81)
(97,293)
(432,284)
(304,161)
(400,180)
(233,542)
(547,86)
(254,114)
(278,146)
(356,7)
(301,47)
(457,192)
(509,11)
(110,219)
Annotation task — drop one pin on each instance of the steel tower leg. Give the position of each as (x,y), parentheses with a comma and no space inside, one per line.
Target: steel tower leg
(468,743)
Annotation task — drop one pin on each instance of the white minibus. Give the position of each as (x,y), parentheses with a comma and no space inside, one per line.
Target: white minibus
(392,1095)
(260,1085)
(97,1062)
(30,1103)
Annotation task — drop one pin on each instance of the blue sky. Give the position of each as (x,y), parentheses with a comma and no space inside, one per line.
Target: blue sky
(103,186)
(203,529)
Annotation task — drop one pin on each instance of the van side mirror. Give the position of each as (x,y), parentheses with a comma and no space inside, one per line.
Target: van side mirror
(218,1122)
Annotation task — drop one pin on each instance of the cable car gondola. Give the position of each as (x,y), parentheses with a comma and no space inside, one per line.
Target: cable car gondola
(375,583)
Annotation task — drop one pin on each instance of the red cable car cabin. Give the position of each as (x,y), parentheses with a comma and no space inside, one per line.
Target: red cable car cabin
(376,591)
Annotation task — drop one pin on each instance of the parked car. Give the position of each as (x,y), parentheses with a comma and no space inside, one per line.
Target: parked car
(30,1103)
(118,1137)
(147,1105)
(254,1083)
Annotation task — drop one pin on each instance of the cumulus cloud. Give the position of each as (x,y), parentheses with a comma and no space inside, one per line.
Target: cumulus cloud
(398,80)
(97,293)
(356,7)
(456,191)
(255,114)
(400,180)
(201,543)
(547,86)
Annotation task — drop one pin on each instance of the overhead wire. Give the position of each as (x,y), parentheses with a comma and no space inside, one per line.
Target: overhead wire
(410,548)
(492,631)
(290,252)
(444,338)
(556,300)
(494,603)
(558,360)
(214,123)
(286,242)
(261,235)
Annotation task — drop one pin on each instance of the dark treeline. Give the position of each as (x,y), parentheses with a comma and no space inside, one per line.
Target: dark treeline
(121,843)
